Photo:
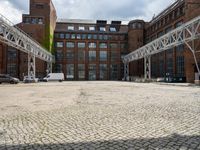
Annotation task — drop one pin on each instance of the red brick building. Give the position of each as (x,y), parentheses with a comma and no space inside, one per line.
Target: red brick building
(93,50)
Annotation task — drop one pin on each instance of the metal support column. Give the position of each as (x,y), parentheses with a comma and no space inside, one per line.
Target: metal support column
(49,68)
(31,65)
(147,67)
(126,71)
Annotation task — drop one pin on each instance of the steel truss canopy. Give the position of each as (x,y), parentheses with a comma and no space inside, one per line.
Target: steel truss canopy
(15,37)
(182,35)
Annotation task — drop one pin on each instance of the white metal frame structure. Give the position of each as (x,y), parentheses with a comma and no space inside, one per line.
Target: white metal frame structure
(185,34)
(15,37)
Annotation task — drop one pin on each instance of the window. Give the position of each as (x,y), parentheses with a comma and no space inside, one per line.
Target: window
(59,44)
(113,29)
(92,28)
(70,55)
(103,71)
(12,69)
(92,45)
(70,71)
(78,36)
(100,37)
(92,55)
(81,71)
(113,71)
(81,45)
(40,21)
(34,21)
(105,37)
(102,29)
(170,66)
(89,36)
(59,68)
(81,55)
(180,66)
(114,56)
(103,45)
(71,28)
(81,28)
(113,45)
(27,20)
(84,36)
(70,45)
(61,35)
(73,36)
(12,54)
(67,36)
(59,55)
(103,56)
(92,71)
(94,36)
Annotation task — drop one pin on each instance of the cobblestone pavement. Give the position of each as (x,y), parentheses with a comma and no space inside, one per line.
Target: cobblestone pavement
(99,115)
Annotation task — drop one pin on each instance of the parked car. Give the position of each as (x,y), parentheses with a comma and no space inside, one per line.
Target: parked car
(8,79)
(28,79)
(54,77)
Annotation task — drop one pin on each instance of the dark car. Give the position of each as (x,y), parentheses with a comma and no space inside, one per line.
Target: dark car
(8,79)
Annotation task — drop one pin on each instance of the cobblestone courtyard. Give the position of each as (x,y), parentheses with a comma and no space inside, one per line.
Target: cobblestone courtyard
(99,115)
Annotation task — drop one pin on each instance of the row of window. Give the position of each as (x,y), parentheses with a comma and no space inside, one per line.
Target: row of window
(92,71)
(91,28)
(89,36)
(33,20)
(91,45)
(92,56)
(173,15)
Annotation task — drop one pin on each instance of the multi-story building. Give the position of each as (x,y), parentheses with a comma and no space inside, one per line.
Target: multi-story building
(89,50)
(93,50)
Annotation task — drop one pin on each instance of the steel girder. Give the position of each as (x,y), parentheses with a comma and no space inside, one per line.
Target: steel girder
(14,37)
(184,34)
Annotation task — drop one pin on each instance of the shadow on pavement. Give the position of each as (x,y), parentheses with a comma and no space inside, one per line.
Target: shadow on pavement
(174,142)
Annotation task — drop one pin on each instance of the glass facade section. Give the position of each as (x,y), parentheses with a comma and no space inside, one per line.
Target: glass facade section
(113,71)
(81,71)
(70,71)
(92,71)
(103,45)
(92,55)
(103,56)
(70,45)
(103,71)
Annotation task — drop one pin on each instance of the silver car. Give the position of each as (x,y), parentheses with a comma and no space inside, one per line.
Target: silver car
(8,79)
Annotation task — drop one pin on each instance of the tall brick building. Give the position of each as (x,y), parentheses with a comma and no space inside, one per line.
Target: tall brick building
(93,50)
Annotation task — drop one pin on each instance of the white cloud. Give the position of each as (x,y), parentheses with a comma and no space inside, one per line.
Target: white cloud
(91,9)
(10,12)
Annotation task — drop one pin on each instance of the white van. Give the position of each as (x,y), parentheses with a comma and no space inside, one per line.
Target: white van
(54,77)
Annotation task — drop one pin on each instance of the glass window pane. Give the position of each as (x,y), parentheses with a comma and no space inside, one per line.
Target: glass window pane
(103,56)
(70,27)
(81,71)
(92,71)
(81,55)
(70,71)
(92,45)
(59,44)
(81,45)
(70,45)
(70,55)
(92,55)
(92,28)
(103,71)
(103,45)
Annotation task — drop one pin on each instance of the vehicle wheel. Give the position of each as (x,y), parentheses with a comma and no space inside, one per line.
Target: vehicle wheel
(12,82)
(60,80)
(0,82)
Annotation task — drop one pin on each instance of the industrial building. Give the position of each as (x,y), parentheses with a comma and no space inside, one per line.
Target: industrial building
(93,50)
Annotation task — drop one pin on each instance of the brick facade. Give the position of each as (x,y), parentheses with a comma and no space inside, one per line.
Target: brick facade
(41,25)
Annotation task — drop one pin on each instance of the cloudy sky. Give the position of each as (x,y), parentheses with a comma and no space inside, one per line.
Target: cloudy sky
(91,9)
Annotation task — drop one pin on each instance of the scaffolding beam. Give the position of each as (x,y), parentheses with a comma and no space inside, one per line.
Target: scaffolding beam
(15,37)
(184,34)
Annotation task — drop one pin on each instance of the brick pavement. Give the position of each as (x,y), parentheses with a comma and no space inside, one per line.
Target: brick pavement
(103,116)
